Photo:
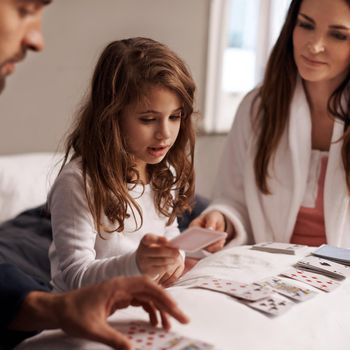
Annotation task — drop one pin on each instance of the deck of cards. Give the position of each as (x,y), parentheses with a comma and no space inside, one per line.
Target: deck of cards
(325,267)
(340,255)
(280,248)
(196,238)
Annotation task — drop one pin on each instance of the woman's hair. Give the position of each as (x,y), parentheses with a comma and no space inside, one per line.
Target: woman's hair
(274,100)
(123,75)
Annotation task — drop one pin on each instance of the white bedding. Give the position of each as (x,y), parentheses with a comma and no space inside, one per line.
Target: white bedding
(320,323)
(25,180)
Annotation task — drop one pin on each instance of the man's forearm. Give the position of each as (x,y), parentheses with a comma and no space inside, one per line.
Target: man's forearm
(38,311)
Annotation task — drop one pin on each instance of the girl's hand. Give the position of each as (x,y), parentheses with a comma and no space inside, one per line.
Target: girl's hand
(174,272)
(154,258)
(216,221)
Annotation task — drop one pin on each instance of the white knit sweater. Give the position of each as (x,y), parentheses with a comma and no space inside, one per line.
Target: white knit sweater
(78,255)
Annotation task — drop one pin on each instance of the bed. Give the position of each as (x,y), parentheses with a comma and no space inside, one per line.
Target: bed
(322,322)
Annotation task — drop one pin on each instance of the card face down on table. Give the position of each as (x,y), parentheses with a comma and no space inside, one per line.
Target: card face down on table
(196,238)
(340,255)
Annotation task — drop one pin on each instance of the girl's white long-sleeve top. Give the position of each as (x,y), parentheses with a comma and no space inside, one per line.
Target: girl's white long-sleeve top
(260,218)
(78,255)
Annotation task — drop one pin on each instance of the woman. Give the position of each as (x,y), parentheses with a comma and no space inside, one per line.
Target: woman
(285,172)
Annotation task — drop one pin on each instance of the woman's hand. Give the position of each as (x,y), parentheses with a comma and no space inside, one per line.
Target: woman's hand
(212,219)
(215,220)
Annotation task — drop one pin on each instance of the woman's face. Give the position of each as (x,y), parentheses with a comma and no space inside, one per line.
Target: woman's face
(321,40)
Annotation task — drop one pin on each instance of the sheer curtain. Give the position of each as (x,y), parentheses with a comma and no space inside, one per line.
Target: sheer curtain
(241,35)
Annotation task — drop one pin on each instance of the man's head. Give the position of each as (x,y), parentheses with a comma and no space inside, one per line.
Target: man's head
(20,30)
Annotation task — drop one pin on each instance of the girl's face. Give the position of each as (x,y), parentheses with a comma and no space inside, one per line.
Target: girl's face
(151,127)
(321,40)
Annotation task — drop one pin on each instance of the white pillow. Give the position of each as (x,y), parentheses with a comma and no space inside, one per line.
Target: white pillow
(25,180)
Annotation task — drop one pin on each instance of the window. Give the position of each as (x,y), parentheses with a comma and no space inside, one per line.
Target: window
(241,35)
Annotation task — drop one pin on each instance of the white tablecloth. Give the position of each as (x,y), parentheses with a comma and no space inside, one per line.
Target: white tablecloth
(319,323)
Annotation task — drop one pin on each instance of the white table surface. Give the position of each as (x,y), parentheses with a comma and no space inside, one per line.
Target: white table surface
(319,323)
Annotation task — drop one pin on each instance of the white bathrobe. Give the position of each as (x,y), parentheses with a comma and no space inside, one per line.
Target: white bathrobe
(258,217)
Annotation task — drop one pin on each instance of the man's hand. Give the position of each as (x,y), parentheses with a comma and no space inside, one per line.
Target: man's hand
(83,312)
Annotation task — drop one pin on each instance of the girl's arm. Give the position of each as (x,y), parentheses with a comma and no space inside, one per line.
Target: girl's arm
(72,254)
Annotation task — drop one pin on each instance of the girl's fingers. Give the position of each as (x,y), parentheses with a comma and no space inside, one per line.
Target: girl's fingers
(161,252)
(159,261)
(150,239)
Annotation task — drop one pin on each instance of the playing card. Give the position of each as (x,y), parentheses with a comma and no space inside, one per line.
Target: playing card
(340,255)
(145,337)
(274,305)
(196,238)
(321,282)
(325,267)
(184,343)
(278,247)
(236,289)
(287,289)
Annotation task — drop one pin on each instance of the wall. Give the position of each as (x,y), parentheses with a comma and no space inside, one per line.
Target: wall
(39,101)
(207,158)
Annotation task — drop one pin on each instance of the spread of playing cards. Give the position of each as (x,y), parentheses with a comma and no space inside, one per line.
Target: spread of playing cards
(242,298)
(275,295)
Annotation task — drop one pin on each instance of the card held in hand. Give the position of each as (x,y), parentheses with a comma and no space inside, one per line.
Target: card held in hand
(196,238)
(281,248)
(321,282)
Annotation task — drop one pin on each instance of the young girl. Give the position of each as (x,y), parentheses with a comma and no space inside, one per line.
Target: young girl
(286,167)
(130,171)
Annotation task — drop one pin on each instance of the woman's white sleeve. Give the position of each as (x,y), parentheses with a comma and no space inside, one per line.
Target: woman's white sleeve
(229,194)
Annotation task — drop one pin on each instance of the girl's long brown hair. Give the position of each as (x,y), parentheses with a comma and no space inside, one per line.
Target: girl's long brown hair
(274,100)
(124,72)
